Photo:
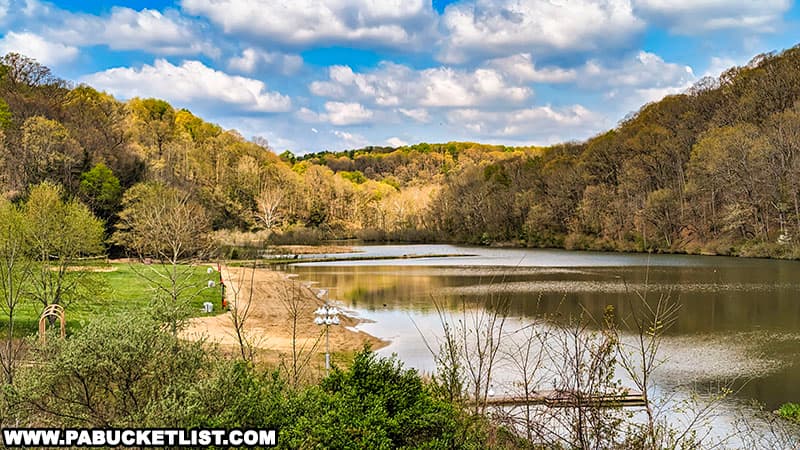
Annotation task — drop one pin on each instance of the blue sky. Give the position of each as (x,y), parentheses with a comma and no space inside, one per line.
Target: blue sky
(312,75)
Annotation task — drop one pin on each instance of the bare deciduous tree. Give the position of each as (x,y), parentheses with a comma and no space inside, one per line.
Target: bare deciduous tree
(449,377)
(165,224)
(764,430)
(482,334)
(239,304)
(301,355)
(582,352)
(470,351)
(640,358)
(525,356)
(15,272)
(566,375)
(269,201)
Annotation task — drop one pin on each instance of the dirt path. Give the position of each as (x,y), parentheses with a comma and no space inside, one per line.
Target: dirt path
(269,318)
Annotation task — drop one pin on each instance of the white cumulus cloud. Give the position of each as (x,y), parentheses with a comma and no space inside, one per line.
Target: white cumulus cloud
(338,113)
(695,16)
(190,82)
(528,122)
(36,47)
(350,140)
(346,113)
(521,67)
(645,77)
(419,114)
(252,59)
(393,84)
(479,28)
(150,30)
(389,23)
(395,141)
(643,69)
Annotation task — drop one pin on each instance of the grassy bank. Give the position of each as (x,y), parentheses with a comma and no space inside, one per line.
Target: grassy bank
(112,288)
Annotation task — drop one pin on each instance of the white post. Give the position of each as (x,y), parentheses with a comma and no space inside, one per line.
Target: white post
(327,349)
(326,315)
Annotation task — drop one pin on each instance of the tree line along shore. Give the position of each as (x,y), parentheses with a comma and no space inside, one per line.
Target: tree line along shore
(713,170)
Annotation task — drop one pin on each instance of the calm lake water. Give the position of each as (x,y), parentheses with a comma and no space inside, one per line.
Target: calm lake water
(739,318)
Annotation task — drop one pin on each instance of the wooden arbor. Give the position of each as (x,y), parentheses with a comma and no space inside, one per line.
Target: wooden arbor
(51,311)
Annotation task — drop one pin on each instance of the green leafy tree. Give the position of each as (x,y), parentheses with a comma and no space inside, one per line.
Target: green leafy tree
(355,177)
(6,117)
(154,129)
(101,190)
(60,232)
(288,157)
(155,121)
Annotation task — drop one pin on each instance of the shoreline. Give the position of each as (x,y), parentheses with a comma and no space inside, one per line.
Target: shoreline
(517,246)
(272,305)
(273,262)
(276,261)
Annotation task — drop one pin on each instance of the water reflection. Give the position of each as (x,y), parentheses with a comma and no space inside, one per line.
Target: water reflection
(738,318)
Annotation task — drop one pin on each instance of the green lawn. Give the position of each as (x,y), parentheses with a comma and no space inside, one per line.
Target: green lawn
(122,289)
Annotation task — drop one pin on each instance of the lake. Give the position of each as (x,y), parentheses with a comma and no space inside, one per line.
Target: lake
(739,318)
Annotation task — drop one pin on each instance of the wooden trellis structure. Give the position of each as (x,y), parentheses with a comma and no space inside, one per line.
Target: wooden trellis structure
(51,311)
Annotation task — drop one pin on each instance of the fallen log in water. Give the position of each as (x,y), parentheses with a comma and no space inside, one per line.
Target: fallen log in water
(570,399)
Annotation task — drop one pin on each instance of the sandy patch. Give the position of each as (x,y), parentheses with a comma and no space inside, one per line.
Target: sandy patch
(270,296)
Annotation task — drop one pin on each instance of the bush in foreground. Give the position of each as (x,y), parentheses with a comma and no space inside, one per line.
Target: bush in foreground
(130,371)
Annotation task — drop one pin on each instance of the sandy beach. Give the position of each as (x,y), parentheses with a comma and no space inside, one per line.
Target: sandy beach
(271,297)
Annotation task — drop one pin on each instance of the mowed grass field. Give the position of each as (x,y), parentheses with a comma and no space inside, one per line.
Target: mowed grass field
(118,287)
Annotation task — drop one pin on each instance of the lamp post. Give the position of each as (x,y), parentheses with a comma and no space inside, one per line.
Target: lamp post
(327,315)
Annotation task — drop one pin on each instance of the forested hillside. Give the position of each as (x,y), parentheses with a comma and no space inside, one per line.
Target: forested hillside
(716,169)
(713,170)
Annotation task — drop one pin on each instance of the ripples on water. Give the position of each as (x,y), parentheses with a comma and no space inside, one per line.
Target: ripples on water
(616,287)
(713,357)
(739,319)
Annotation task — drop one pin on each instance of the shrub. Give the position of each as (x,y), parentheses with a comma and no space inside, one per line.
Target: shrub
(125,371)
(373,404)
(790,411)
